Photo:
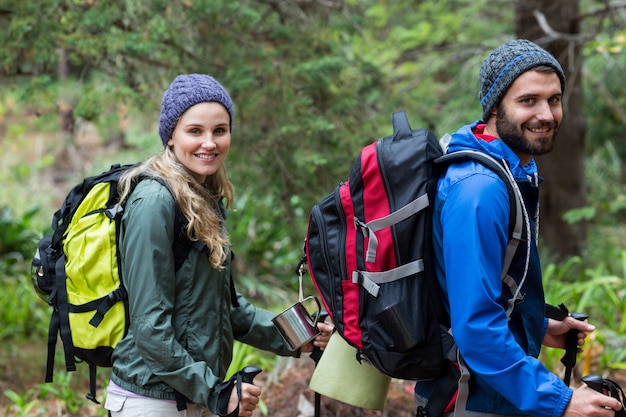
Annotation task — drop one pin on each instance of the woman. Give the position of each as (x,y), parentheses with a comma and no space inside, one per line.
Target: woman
(183,320)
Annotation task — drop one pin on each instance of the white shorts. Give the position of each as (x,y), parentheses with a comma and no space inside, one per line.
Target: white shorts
(123,406)
(469,413)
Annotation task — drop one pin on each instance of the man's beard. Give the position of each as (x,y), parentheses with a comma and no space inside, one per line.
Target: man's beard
(513,135)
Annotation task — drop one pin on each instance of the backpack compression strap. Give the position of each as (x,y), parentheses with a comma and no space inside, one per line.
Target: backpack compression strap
(370,228)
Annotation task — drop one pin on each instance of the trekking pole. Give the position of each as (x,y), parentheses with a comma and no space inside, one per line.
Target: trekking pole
(316,355)
(571,349)
(571,340)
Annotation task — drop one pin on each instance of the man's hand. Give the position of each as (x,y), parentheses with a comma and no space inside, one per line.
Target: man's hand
(556,333)
(586,402)
(321,340)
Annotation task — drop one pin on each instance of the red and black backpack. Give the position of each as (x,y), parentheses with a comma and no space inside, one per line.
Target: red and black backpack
(369,252)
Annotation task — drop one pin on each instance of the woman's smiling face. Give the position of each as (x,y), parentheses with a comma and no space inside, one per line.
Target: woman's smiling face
(201,138)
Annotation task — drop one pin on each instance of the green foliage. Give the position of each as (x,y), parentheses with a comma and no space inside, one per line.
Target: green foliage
(246,355)
(431,53)
(606,208)
(598,292)
(88,107)
(606,189)
(21,314)
(65,388)
(592,290)
(605,92)
(21,404)
(266,256)
(17,236)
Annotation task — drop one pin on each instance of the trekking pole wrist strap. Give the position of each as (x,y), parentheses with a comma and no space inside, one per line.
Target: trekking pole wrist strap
(224,391)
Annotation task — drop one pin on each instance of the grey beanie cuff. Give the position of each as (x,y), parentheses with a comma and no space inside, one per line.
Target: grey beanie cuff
(507,62)
(186,91)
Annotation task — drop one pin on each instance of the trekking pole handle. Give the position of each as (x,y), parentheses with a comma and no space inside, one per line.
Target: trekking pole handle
(248,374)
(571,344)
(571,347)
(594,382)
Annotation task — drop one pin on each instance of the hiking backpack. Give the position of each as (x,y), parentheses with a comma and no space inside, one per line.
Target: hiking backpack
(76,271)
(369,252)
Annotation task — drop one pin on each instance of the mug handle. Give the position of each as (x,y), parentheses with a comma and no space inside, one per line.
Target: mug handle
(319,309)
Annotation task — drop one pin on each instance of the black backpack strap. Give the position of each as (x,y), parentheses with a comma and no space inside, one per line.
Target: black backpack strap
(101,305)
(182,244)
(53,331)
(233,290)
(181,401)
(91,396)
(59,324)
(62,309)
(443,392)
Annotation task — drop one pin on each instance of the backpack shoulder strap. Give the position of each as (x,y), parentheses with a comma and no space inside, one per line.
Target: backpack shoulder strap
(182,244)
(516,223)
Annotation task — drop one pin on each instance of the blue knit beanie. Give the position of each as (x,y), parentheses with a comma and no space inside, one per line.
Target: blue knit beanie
(188,90)
(507,62)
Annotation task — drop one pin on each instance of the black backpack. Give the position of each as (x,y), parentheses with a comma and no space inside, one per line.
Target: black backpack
(76,271)
(368,249)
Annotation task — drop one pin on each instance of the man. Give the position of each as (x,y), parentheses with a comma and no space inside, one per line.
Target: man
(521,89)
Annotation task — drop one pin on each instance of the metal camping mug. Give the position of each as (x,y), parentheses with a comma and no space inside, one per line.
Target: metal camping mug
(296,325)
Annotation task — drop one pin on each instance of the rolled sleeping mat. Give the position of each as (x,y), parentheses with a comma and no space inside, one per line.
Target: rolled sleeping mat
(339,375)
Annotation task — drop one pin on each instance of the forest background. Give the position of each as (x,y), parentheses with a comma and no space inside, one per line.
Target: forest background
(313,81)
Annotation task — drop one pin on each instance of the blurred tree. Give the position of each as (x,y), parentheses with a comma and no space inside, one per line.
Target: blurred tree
(558,27)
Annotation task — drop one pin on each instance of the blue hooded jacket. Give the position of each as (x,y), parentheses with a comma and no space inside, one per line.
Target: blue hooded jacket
(470,235)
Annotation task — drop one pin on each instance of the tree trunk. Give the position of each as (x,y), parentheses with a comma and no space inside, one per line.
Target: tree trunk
(563,169)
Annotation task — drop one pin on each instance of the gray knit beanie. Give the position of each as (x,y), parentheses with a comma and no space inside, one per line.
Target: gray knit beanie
(507,62)
(188,90)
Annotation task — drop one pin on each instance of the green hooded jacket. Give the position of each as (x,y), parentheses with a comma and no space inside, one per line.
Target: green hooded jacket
(183,323)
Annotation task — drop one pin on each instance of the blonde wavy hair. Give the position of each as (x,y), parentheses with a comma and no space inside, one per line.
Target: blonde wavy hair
(199,202)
